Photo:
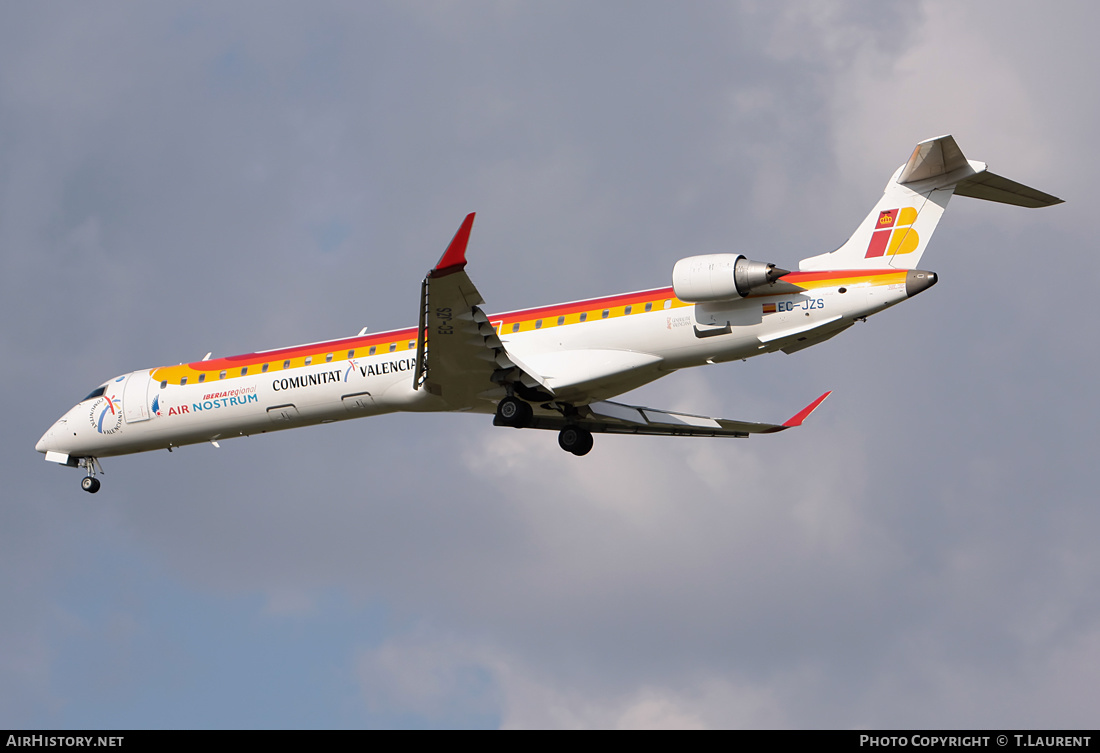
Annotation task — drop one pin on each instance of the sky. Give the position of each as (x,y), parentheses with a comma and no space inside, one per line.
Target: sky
(178,178)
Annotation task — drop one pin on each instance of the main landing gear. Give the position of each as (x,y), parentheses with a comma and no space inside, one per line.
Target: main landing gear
(511,411)
(576,440)
(90,483)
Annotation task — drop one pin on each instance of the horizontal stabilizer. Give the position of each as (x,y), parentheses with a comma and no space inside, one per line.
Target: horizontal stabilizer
(992,187)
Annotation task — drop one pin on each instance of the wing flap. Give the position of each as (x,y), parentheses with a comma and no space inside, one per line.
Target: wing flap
(607,417)
(679,419)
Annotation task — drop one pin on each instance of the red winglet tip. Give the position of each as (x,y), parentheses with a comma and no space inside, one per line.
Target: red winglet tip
(798,418)
(454,258)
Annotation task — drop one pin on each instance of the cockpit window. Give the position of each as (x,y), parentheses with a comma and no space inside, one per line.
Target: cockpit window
(97,392)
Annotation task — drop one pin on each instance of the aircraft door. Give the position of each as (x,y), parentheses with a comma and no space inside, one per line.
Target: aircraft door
(135,397)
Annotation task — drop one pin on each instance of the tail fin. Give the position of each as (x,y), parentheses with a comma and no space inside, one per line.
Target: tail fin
(896,232)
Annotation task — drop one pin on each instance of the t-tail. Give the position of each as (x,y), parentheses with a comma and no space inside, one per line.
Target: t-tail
(896,232)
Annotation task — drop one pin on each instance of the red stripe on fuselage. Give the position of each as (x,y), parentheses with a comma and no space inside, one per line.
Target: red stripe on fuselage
(608,302)
(339,349)
(361,345)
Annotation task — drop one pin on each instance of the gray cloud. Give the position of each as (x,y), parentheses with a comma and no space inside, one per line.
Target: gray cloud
(180,179)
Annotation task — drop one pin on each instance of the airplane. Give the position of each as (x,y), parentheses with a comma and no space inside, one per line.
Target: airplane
(554,367)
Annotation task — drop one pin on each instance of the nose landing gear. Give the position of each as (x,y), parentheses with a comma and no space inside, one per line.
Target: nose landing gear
(90,483)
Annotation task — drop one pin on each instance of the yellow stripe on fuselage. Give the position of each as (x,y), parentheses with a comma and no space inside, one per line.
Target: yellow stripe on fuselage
(511,322)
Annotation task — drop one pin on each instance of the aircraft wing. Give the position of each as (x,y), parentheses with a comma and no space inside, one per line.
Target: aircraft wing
(606,417)
(459,355)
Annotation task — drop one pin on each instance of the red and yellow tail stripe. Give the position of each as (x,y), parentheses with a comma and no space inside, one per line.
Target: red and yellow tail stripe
(848,278)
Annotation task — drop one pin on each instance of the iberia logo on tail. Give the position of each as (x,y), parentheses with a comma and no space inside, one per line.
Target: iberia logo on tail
(894,233)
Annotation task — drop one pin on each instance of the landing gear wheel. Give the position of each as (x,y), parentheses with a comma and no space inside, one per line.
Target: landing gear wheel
(576,440)
(514,412)
(90,484)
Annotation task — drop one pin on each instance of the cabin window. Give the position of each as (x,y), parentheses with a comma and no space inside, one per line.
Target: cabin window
(627,310)
(351,354)
(309,360)
(202,377)
(244,371)
(515,327)
(393,347)
(412,344)
(584,316)
(263,369)
(221,375)
(538,324)
(328,358)
(606,313)
(668,304)
(164,384)
(183,381)
(561,320)
(371,351)
(286,364)
(649,306)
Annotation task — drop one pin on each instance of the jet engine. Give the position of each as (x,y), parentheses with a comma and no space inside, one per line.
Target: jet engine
(721,277)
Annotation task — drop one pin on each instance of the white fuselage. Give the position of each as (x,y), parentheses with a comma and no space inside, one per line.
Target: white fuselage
(596,358)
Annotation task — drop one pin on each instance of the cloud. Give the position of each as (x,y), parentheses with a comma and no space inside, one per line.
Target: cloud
(182,180)
(442,680)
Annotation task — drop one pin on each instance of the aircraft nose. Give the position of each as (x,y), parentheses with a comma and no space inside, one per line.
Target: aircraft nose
(49,439)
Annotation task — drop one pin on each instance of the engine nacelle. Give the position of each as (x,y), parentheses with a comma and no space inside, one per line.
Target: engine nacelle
(721,277)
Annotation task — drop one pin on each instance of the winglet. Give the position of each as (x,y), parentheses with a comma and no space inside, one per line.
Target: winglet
(802,415)
(454,258)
